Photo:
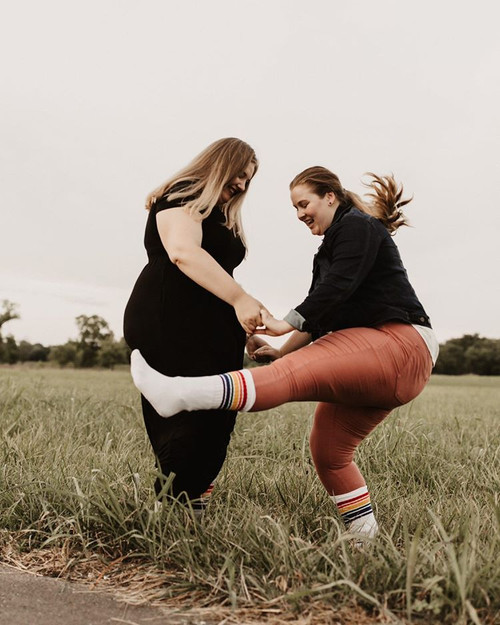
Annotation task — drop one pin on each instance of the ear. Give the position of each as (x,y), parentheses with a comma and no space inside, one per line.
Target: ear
(330,197)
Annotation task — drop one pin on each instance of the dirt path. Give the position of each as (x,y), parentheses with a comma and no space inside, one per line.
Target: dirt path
(32,599)
(28,599)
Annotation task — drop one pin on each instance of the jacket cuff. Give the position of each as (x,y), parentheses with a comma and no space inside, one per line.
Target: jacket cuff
(295,319)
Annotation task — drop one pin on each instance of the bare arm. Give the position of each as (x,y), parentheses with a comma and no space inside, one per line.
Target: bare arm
(297,340)
(181,236)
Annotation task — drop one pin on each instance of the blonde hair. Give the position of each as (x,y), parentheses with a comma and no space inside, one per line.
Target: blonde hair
(385,203)
(205,177)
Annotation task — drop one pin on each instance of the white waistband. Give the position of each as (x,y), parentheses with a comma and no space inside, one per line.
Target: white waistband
(430,340)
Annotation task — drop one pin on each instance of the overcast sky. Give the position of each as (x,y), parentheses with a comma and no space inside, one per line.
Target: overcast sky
(102,100)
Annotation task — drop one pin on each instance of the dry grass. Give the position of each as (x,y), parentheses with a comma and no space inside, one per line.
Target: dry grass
(140,582)
(76,501)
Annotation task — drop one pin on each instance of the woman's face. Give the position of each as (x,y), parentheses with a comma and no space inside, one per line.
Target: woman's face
(314,211)
(238,184)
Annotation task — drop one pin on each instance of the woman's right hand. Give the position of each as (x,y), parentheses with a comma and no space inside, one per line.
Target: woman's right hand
(247,310)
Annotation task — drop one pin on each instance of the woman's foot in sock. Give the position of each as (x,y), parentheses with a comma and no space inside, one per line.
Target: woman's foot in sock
(365,526)
(356,511)
(161,391)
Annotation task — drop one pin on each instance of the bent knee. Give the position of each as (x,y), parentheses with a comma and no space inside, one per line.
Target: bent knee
(329,457)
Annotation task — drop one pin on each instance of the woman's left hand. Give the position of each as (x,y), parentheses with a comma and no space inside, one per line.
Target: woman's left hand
(273,327)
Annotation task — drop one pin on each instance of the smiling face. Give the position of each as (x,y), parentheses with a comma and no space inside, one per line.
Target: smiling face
(238,184)
(315,211)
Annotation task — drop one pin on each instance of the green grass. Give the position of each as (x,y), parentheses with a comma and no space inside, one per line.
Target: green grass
(76,470)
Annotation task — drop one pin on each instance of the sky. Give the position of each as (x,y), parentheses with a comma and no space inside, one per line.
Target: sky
(102,100)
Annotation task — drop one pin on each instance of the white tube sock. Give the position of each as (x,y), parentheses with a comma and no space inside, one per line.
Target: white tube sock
(170,395)
(356,511)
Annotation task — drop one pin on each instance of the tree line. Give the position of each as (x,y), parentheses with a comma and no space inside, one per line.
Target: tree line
(469,354)
(96,346)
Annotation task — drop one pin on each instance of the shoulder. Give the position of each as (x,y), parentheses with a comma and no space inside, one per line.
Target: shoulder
(353,228)
(354,220)
(356,217)
(167,201)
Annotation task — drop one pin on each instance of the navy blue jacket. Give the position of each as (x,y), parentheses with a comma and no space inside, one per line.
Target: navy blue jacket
(358,279)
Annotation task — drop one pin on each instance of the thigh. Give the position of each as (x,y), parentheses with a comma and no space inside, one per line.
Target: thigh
(353,367)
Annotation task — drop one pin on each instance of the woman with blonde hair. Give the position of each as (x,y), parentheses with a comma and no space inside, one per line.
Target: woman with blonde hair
(362,344)
(186,313)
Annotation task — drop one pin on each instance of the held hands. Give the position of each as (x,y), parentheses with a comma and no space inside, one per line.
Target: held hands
(248,311)
(272,326)
(260,350)
(255,319)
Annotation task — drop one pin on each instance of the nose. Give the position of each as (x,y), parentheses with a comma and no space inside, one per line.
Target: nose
(300,214)
(241,185)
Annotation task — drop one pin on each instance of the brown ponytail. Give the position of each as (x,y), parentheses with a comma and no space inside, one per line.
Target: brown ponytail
(387,201)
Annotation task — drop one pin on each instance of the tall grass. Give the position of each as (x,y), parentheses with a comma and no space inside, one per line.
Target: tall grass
(76,469)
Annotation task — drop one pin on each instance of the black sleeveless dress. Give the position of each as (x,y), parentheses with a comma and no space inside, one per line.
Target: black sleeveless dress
(183,329)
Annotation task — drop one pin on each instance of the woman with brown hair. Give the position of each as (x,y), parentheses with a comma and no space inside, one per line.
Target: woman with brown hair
(186,313)
(362,344)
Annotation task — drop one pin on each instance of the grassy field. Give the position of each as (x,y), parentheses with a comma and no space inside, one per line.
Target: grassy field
(76,475)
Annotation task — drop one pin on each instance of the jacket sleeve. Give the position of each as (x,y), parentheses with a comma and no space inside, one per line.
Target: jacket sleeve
(351,249)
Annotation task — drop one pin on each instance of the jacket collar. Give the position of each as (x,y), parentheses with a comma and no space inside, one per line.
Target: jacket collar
(339,213)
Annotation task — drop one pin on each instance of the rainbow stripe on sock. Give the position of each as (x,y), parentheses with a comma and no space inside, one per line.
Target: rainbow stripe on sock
(200,504)
(355,506)
(235,392)
(208,493)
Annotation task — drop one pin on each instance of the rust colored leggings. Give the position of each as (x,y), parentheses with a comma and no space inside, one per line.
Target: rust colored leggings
(358,375)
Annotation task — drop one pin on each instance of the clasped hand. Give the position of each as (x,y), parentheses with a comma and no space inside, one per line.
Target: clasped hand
(258,349)
(248,311)
(256,319)
(271,326)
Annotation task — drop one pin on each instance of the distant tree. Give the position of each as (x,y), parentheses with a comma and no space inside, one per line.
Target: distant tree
(95,346)
(39,353)
(469,354)
(94,330)
(65,354)
(451,359)
(113,353)
(7,313)
(33,353)
(484,357)
(24,350)
(9,350)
